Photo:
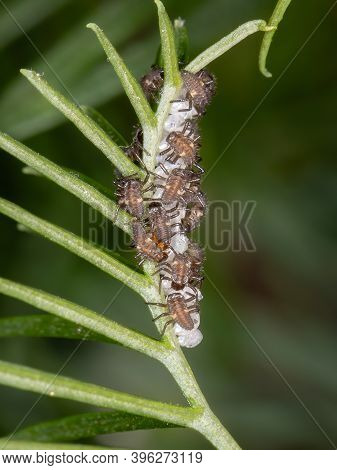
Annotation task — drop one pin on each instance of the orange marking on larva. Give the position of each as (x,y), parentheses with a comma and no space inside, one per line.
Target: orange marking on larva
(200,88)
(146,246)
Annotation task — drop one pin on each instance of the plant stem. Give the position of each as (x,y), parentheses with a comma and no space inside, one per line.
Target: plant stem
(84,123)
(47,326)
(171,66)
(130,84)
(34,380)
(273,23)
(226,43)
(84,317)
(207,423)
(174,360)
(68,180)
(77,245)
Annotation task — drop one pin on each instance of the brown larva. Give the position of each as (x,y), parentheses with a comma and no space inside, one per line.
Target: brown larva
(200,89)
(130,196)
(152,82)
(179,310)
(195,211)
(196,256)
(130,193)
(175,185)
(160,222)
(147,248)
(183,144)
(178,271)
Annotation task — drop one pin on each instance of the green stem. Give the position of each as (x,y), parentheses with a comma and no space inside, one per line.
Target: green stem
(105,125)
(207,423)
(273,23)
(81,248)
(84,317)
(84,123)
(26,378)
(68,180)
(171,66)
(226,43)
(47,326)
(130,84)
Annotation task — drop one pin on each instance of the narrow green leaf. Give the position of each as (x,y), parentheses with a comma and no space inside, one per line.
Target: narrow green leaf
(34,380)
(106,126)
(94,88)
(46,326)
(273,23)
(69,180)
(78,246)
(84,123)
(83,317)
(182,41)
(226,43)
(107,192)
(12,444)
(168,47)
(83,426)
(130,84)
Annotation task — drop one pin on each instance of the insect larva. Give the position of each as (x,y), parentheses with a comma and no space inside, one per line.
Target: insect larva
(183,144)
(195,211)
(147,248)
(130,196)
(200,89)
(178,271)
(179,310)
(160,222)
(175,185)
(196,256)
(152,82)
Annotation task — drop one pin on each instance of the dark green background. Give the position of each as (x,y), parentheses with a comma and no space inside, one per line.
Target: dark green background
(283,158)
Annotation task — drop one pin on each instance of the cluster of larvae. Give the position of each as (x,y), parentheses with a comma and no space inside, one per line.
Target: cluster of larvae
(162,222)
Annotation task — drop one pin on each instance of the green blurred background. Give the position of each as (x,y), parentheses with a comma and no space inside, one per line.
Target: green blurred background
(283,158)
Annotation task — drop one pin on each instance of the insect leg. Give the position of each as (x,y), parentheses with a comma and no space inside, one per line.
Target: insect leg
(166,325)
(165,314)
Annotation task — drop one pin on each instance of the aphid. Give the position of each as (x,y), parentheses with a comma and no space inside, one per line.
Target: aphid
(130,196)
(182,144)
(196,256)
(200,89)
(146,247)
(178,271)
(135,149)
(152,82)
(195,211)
(179,310)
